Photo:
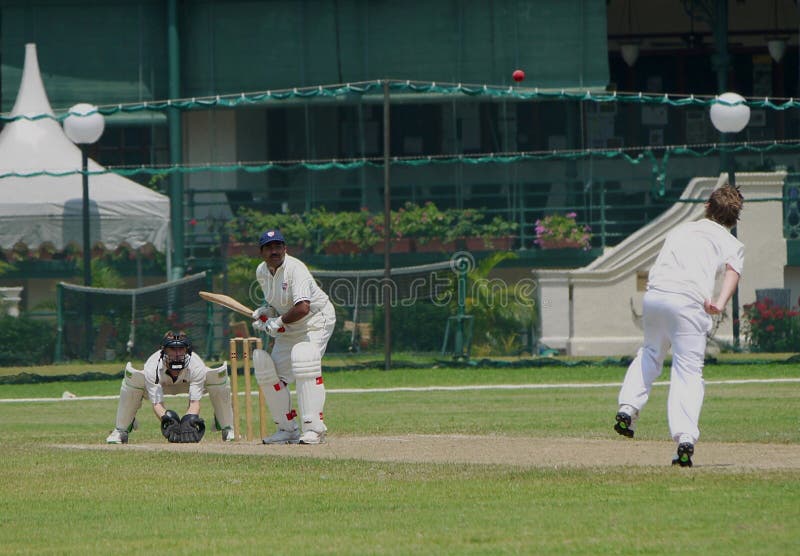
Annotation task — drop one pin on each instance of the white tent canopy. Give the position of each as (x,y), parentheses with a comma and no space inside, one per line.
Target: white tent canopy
(48,210)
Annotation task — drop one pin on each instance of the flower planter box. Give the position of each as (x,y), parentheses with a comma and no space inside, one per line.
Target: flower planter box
(488,244)
(559,244)
(435,246)
(504,243)
(240,248)
(403,245)
(341,247)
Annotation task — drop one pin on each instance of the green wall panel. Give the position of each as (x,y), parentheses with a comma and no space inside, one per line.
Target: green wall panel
(233,46)
(108,52)
(89,51)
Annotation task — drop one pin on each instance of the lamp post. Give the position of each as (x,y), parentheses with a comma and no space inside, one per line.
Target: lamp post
(728,118)
(84,125)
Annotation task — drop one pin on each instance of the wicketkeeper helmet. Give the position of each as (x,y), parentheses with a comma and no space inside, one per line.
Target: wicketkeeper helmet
(176,340)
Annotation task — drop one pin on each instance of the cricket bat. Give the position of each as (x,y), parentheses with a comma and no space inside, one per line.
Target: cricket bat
(230,303)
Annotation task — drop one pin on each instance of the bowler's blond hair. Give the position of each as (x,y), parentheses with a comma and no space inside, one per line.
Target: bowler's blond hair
(724,205)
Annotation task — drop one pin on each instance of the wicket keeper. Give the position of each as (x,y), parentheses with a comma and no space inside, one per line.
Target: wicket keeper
(174,369)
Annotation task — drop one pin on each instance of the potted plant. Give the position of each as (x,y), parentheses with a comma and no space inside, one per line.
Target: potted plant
(410,223)
(43,252)
(431,229)
(497,234)
(562,231)
(343,232)
(244,230)
(468,226)
(464,224)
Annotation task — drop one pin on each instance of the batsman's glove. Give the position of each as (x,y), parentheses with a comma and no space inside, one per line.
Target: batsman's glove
(171,426)
(262,313)
(192,428)
(273,326)
(260,326)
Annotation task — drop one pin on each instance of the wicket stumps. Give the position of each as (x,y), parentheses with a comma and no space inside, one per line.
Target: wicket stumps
(243,345)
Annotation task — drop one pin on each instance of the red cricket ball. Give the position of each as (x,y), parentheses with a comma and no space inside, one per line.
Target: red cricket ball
(518,75)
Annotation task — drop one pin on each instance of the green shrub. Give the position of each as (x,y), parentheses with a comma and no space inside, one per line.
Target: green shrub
(354,227)
(318,228)
(242,283)
(417,327)
(341,340)
(769,328)
(249,224)
(500,310)
(25,341)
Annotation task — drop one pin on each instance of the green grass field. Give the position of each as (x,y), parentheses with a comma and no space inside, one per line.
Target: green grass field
(65,492)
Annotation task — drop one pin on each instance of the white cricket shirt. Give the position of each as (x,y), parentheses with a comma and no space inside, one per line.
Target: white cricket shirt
(692,256)
(194,373)
(291,284)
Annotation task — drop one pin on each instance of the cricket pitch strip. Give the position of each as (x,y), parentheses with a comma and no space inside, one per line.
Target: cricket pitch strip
(522,451)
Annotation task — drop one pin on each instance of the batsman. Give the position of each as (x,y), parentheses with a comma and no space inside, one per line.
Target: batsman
(301,319)
(174,369)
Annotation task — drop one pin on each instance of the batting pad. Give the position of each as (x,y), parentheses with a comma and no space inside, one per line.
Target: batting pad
(307,367)
(131,394)
(219,392)
(276,394)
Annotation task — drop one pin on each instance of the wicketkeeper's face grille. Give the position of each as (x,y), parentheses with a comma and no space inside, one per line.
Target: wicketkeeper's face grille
(176,358)
(176,349)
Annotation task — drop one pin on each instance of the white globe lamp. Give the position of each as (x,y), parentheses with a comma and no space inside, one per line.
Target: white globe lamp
(84,125)
(728,116)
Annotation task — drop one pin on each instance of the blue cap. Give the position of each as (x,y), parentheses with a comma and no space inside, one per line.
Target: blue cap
(270,236)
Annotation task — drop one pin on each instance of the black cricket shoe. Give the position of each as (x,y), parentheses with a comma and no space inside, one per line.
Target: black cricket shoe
(623,425)
(684,457)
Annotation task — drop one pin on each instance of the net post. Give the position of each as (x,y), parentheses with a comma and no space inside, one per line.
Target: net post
(58,356)
(387,228)
(210,318)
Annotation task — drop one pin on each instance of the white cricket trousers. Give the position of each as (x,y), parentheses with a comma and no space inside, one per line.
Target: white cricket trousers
(675,320)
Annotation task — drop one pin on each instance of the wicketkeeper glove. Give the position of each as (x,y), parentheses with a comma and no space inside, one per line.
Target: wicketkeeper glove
(171,426)
(192,428)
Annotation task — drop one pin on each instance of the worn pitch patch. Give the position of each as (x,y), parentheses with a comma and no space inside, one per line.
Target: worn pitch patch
(518,451)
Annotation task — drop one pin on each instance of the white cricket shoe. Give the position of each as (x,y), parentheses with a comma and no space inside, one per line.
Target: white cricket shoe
(228,434)
(312,437)
(117,437)
(283,437)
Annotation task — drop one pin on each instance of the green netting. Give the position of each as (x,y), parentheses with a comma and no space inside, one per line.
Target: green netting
(404,90)
(112,324)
